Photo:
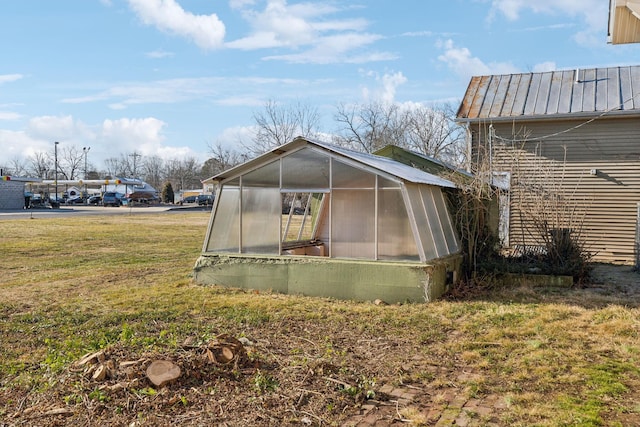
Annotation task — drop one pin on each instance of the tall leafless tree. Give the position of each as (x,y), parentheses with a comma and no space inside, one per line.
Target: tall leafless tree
(221,159)
(432,131)
(153,171)
(70,161)
(427,130)
(368,127)
(40,165)
(277,125)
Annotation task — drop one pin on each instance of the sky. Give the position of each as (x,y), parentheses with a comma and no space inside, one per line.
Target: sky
(170,78)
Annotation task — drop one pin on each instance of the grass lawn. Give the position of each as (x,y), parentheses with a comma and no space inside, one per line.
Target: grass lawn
(120,287)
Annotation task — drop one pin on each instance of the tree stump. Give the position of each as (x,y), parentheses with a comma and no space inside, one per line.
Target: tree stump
(162,372)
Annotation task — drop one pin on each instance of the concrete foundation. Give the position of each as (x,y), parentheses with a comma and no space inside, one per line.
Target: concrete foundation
(392,282)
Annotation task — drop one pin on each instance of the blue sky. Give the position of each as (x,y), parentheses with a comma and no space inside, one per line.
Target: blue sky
(170,77)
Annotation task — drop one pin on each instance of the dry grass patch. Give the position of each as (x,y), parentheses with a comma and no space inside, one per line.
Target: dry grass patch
(122,284)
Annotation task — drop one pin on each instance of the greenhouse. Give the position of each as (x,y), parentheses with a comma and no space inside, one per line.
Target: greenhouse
(317,219)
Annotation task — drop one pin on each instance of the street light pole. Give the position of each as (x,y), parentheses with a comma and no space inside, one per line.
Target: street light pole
(55,178)
(85,150)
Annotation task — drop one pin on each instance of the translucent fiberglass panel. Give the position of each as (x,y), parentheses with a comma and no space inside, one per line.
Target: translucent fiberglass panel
(353,224)
(305,169)
(265,176)
(434,219)
(261,212)
(395,237)
(387,183)
(445,220)
(422,222)
(225,230)
(345,176)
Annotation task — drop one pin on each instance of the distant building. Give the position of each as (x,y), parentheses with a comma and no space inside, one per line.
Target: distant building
(12,195)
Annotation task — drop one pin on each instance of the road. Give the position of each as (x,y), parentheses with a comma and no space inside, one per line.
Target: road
(96,210)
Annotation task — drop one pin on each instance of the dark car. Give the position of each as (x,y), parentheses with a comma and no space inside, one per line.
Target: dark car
(78,200)
(204,200)
(94,200)
(111,198)
(189,199)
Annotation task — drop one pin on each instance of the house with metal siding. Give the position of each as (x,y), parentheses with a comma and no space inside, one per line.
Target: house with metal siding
(574,134)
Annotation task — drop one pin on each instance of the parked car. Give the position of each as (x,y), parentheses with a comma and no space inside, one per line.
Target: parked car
(77,200)
(204,200)
(95,200)
(189,199)
(111,198)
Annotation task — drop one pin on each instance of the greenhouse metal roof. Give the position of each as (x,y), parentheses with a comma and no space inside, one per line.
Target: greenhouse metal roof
(379,163)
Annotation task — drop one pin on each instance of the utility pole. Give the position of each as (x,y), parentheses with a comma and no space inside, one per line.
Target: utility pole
(55,154)
(85,150)
(135,157)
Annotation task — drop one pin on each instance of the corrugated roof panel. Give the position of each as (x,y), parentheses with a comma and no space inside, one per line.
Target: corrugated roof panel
(521,95)
(560,92)
(490,96)
(613,89)
(626,88)
(469,95)
(567,83)
(589,94)
(602,89)
(478,97)
(578,93)
(635,88)
(542,100)
(510,95)
(532,96)
(501,93)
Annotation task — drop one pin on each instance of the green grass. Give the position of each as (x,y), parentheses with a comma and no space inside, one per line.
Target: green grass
(79,284)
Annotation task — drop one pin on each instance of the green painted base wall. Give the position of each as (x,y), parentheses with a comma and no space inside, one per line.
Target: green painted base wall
(391,282)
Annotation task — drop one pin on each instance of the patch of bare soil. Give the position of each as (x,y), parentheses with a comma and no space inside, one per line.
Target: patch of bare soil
(612,279)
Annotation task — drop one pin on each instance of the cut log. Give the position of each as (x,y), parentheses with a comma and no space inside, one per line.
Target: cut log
(162,372)
(225,355)
(89,357)
(100,373)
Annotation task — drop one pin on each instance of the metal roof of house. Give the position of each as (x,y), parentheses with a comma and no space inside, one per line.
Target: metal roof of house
(380,163)
(591,91)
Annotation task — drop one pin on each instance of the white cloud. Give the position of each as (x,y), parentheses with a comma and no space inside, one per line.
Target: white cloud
(544,66)
(9,115)
(159,54)
(308,28)
(463,63)
(206,31)
(386,86)
(111,138)
(593,13)
(6,78)
(337,49)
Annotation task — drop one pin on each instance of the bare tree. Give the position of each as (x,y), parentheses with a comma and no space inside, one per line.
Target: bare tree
(70,161)
(369,127)
(221,159)
(116,166)
(432,131)
(153,171)
(18,166)
(184,174)
(277,125)
(427,130)
(40,164)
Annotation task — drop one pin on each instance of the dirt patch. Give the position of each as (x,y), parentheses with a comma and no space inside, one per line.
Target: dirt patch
(622,280)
